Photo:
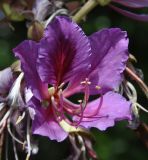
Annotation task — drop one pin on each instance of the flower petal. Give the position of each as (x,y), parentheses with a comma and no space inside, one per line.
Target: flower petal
(133,3)
(6,80)
(110,53)
(114,108)
(63,52)
(139,17)
(27,52)
(44,124)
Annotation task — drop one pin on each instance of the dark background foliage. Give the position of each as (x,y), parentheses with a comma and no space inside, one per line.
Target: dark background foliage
(119,142)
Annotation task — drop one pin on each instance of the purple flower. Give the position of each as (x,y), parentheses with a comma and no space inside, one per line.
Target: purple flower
(135,4)
(66,62)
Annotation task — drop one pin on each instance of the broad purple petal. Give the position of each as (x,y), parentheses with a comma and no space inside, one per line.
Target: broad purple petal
(63,52)
(44,123)
(114,108)
(6,80)
(27,52)
(139,17)
(133,3)
(110,53)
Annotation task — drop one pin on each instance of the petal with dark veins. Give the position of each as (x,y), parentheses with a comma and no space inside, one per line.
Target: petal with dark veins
(63,52)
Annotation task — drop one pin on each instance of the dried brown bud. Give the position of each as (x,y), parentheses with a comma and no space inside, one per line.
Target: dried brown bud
(35,31)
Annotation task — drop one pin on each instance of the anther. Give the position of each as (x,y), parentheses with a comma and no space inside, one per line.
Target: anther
(86,82)
(61,85)
(79,101)
(98,87)
(20,118)
(51,91)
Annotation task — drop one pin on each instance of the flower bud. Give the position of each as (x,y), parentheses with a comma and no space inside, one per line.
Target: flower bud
(35,31)
(104,2)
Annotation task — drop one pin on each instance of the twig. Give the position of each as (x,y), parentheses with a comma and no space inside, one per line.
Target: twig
(88,6)
(142,85)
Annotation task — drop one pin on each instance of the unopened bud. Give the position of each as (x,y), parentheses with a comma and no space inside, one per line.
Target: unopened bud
(104,2)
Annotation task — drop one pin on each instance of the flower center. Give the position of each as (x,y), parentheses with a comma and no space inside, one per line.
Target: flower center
(64,110)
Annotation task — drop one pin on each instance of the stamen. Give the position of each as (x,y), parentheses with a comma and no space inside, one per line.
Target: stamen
(80,101)
(92,119)
(55,109)
(83,105)
(28,139)
(15,150)
(61,85)
(80,139)
(20,118)
(61,103)
(58,111)
(81,114)
(5,117)
(54,103)
(98,108)
(95,112)
(70,104)
(12,135)
(97,87)
(86,82)
(141,107)
(131,92)
(2,127)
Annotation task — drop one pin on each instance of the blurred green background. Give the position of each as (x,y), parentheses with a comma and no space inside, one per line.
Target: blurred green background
(118,143)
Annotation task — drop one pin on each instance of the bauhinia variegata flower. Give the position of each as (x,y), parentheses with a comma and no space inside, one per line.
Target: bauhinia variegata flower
(66,62)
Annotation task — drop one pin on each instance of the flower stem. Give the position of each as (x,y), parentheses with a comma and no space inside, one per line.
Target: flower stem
(88,6)
(142,85)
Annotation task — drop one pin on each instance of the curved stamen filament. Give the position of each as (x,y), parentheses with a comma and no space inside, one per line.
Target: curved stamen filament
(98,108)
(141,107)
(80,110)
(81,114)
(85,101)
(84,116)
(12,135)
(5,117)
(92,119)
(63,109)
(55,109)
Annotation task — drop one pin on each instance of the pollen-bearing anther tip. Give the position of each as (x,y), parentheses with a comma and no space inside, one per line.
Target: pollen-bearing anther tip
(97,87)
(80,101)
(86,82)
